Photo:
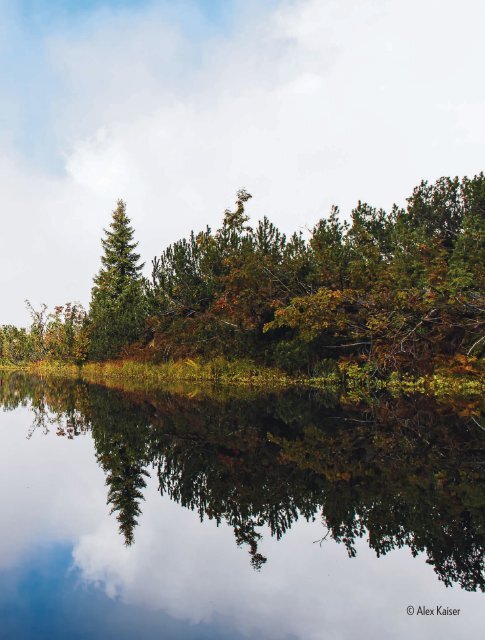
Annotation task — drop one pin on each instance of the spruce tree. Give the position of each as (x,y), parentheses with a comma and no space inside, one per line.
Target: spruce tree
(117,311)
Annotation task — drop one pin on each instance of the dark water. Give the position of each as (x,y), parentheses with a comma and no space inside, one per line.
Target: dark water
(196,515)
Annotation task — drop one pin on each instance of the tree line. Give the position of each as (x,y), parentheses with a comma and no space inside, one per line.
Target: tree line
(390,290)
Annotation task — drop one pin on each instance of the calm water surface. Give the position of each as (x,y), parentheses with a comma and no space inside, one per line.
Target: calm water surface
(195,515)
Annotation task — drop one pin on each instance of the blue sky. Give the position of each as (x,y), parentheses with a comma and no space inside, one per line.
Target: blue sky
(174,106)
(42,14)
(37,19)
(44,597)
(34,88)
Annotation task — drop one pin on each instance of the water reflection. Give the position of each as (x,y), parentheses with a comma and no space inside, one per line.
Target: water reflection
(403,472)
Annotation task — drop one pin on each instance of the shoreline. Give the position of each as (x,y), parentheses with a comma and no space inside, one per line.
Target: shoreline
(350,380)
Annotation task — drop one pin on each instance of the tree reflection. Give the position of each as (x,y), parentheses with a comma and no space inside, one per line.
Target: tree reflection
(401,471)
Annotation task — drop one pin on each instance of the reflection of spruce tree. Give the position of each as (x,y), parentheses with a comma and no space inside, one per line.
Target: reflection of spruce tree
(126,480)
(120,430)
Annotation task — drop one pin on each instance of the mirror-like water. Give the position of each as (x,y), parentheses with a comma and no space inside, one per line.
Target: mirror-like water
(236,515)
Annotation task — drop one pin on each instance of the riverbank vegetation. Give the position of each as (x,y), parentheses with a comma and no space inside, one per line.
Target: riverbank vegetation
(349,383)
(377,294)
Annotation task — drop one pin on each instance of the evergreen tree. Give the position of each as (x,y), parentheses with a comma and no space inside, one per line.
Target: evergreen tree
(118,307)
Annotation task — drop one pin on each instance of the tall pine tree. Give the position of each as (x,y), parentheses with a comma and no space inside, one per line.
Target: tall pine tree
(118,307)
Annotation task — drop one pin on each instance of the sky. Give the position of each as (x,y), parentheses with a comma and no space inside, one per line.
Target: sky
(175,106)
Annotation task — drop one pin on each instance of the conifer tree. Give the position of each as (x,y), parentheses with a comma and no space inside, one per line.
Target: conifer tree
(118,309)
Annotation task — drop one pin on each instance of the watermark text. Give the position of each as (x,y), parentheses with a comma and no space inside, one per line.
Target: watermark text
(438,610)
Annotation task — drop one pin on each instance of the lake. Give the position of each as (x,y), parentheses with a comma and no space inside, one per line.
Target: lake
(210,513)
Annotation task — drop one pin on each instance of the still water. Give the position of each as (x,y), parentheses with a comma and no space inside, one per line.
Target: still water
(210,514)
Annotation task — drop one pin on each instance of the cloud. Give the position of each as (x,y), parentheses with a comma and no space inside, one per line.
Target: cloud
(53,501)
(304,590)
(305,103)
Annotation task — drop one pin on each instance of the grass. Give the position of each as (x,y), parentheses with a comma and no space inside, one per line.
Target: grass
(219,370)
(353,380)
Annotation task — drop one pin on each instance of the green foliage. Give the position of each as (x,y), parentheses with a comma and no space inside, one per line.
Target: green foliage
(16,345)
(401,289)
(212,294)
(65,336)
(55,336)
(118,305)
(438,210)
(392,291)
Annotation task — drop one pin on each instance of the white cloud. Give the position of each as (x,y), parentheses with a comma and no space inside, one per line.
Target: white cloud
(52,489)
(195,572)
(305,103)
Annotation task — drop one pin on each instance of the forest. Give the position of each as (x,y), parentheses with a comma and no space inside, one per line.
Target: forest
(399,290)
